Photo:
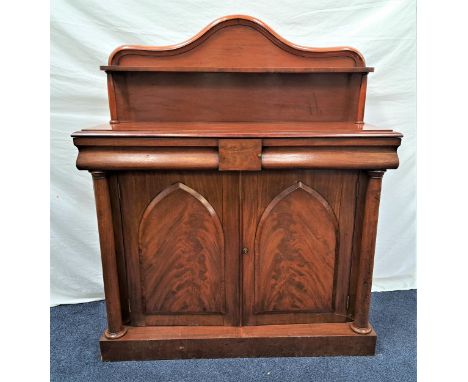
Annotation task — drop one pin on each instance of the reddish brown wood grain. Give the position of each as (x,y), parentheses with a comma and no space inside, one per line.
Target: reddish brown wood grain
(115,329)
(366,261)
(240,154)
(182,69)
(131,158)
(181,246)
(245,129)
(259,191)
(317,84)
(241,40)
(114,193)
(330,157)
(235,97)
(219,342)
(295,250)
(237,190)
(180,265)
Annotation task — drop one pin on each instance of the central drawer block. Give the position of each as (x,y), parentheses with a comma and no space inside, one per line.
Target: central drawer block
(240,154)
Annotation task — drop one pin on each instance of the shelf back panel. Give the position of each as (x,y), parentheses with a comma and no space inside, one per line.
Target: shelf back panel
(236,97)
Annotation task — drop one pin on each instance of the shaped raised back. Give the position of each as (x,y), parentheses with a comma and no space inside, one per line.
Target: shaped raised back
(236,70)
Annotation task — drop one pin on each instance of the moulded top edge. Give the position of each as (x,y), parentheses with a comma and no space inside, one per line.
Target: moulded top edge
(118,68)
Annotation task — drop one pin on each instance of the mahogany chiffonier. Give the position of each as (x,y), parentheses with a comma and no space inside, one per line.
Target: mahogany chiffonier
(237,193)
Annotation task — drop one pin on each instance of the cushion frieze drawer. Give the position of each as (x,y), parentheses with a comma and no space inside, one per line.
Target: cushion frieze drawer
(147,158)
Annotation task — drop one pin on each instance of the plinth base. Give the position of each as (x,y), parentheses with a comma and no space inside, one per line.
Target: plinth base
(179,342)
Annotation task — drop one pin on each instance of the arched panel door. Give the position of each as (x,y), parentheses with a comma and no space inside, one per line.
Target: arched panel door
(181,249)
(296,229)
(295,249)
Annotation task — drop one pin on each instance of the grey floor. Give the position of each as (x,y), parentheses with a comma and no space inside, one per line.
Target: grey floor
(75,330)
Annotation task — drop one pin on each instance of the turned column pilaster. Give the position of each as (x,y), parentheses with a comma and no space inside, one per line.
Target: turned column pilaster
(115,328)
(366,259)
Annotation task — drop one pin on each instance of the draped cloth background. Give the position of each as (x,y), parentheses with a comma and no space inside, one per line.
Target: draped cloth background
(84,33)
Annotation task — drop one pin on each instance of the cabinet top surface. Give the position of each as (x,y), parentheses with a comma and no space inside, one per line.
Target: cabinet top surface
(239,129)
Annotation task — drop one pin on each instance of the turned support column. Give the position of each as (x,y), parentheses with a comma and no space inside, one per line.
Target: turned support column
(366,260)
(115,328)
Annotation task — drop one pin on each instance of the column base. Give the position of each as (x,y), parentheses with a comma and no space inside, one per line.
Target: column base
(360,330)
(114,336)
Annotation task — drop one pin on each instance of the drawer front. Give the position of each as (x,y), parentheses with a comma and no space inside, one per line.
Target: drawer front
(240,154)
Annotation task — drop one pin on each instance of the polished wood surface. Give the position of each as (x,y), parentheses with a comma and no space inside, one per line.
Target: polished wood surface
(181,264)
(240,40)
(115,329)
(366,259)
(240,154)
(330,157)
(188,228)
(295,253)
(116,68)
(319,149)
(237,192)
(263,97)
(131,158)
(307,252)
(223,129)
(147,159)
(178,342)
(114,192)
(325,91)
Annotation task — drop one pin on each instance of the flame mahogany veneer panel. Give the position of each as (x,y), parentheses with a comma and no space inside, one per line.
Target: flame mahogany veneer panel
(295,250)
(181,250)
(181,254)
(299,225)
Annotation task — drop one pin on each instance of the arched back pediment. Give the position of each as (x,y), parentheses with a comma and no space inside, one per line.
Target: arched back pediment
(218,45)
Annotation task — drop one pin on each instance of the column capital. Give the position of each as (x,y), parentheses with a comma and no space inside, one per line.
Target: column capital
(98,174)
(377,174)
